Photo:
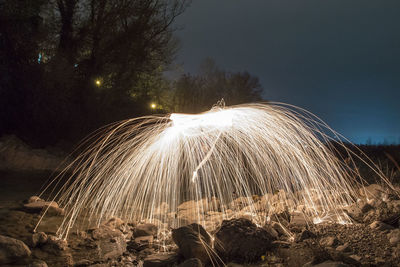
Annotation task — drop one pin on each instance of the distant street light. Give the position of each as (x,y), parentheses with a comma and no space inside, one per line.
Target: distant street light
(153,105)
(98,82)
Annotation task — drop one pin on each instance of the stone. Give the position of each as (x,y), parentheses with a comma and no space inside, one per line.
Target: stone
(380,226)
(329,241)
(140,243)
(305,234)
(365,207)
(241,202)
(330,264)
(38,239)
(115,223)
(298,218)
(55,252)
(193,241)
(394,237)
(161,260)
(344,248)
(240,240)
(271,231)
(12,250)
(38,263)
(193,262)
(279,228)
(105,243)
(340,256)
(354,212)
(50,207)
(34,199)
(372,191)
(355,257)
(233,264)
(144,239)
(83,263)
(145,229)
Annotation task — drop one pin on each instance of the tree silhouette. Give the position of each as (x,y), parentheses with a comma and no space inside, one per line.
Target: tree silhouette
(197,93)
(74,65)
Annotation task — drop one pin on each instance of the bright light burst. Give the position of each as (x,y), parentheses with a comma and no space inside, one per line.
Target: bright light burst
(184,168)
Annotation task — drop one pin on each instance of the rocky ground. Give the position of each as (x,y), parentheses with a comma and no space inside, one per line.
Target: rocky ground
(373,239)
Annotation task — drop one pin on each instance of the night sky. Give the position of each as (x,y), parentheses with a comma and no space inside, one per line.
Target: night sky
(339,59)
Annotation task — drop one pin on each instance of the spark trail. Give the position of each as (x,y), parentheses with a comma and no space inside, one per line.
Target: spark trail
(183,168)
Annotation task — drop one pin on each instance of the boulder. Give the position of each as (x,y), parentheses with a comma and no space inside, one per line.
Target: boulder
(193,242)
(278,227)
(50,207)
(38,263)
(330,264)
(329,241)
(273,232)
(344,248)
(115,223)
(12,250)
(372,191)
(298,218)
(33,199)
(193,262)
(55,252)
(354,212)
(145,229)
(240,240)
(380,226)
(38,239)
(305,234)
(365,207)
(161,260)
(394,237)
(140,243)
(102,243)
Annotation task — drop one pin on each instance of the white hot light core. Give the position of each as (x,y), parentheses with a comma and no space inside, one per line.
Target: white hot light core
(212,120)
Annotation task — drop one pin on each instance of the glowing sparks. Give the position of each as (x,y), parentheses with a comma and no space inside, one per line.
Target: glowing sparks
(213,120)
(207,167)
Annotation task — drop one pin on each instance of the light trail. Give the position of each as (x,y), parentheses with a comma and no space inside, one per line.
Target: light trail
(143,169)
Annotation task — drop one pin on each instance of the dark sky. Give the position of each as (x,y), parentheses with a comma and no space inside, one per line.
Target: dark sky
(340,59)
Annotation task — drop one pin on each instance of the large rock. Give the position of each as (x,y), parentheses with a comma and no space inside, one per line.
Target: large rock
(37,205)
(161,260)
(103,243)
(380,226)
(12,250)
(372,191)
(145,229)
(330,264)
(38,239)
(394,237)
(240,240)
(329,241)
(298,218)
(194,262)
(193,242)
(55,252)
(354,211)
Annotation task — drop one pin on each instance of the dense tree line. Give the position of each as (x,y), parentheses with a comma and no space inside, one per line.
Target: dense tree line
(70,66)
(196,93)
